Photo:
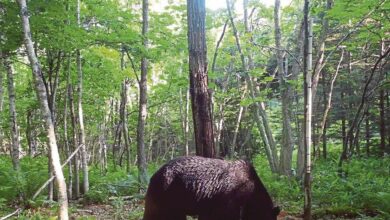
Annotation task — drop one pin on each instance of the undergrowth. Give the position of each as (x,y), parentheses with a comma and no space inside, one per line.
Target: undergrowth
(363,191)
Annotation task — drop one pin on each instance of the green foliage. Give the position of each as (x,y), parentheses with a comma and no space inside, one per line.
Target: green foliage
(364,191)
(32,175)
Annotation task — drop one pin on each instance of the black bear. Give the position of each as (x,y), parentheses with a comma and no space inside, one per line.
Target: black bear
(212,189)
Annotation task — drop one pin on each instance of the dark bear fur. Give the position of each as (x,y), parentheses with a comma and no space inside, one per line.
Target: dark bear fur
(212,189)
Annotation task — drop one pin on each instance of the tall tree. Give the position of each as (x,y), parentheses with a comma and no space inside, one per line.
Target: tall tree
(307,68)
(143,89)
(260,115)
(1,103)
(42,95)
(200,96)
(15,139)
(285,95)
(84,162)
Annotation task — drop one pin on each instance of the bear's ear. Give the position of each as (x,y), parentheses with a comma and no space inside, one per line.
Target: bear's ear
(276,210)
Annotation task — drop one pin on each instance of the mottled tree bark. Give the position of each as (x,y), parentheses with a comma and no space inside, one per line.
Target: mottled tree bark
(143,89)
(84,162)
(307,68)
(49,126)
(200,97)
(15,143)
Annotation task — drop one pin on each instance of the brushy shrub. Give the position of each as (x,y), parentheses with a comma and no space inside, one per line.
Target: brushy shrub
(364,190)
(33,173)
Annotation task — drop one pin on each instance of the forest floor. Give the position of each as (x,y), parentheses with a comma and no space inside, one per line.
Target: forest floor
(133,210)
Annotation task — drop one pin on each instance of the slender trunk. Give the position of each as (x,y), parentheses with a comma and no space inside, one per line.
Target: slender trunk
(15,144)
(32,146)
(233,145)
(307,68)
(74,142)
(142,178)
(388,119)
(285,88)
(382,128)
(200,96)
(358,117)
(259,109)
(328,98)
(382,117)
(123,115)
(368,136)
(1,105)
(66,139)
(40,88)
(320,62)
(187,122)
(84,162)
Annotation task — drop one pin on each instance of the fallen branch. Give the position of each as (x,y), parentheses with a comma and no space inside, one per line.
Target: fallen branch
(120,197)
(17,211)
(53,176)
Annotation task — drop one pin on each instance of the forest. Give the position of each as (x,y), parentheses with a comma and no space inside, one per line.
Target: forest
(96,95)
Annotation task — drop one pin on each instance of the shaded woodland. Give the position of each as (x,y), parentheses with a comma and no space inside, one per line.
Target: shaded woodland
(96,95)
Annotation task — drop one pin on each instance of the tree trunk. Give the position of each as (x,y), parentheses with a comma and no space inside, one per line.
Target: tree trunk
(382,117)
(1,105)
(259,109)
(30,136)
(368,136)
(187,122)
(123,116)
(382,128)
(66,139)
(15,144)
(143,98)
(287,145)
(84,162)
(74,142)
(307,68)
(40,88)
(200,97)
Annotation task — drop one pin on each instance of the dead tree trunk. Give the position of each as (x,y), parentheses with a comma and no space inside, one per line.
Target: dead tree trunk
(40,88)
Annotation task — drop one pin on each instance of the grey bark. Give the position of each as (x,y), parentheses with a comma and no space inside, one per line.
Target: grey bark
(84,156)
(142,176)
(74,142)
(287,144)
(49,126)
(15,144)
(66,139)
(123,116)
(307,68)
